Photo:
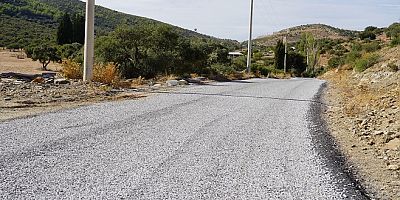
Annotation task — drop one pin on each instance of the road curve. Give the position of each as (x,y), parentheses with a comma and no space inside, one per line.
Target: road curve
(240,140)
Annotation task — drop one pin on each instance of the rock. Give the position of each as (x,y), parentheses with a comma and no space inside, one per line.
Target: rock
(38,80)
(197,80)
(393,144)
(18,82)
(371,142)
(183,82)
(7,99)
(49,75)
(376,133)
(49,81)
(172,83)
(61,81)
(157,85)
(393,167)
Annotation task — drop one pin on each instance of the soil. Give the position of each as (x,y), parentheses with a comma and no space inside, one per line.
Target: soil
(16,61)
(363,116)
(19,98)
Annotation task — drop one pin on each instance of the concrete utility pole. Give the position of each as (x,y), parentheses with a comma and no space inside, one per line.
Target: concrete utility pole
(89,41)
(285,62)
(250,45)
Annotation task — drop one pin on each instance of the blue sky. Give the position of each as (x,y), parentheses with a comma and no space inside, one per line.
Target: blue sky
(229,18)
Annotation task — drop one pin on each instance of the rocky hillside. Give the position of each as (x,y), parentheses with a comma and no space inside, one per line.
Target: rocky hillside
(319,31)
(23,21)
(364,117)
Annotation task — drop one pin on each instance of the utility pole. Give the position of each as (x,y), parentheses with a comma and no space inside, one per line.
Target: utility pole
(250,45)
(286,52)
(89,41)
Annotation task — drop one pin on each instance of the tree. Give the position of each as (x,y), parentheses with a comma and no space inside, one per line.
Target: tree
(393,30)
(296,62)
(78,29)
(70,51)
(310,48)
(45,54)
(65,30)
(368,33)
(279,55)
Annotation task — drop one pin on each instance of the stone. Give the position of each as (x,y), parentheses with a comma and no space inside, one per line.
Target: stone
(49,74)
(393,144)
(393,167)
(61,81)
(157,85)
(7,99)
(183,82)
(172,83)
(376,133)
(38,80)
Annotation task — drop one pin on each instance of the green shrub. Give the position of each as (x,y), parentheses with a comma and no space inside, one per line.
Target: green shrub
(365,62)
(353,56)
(371,47)
(223,69)
(393,67)
(356,47)
(336,62)
(262,69)
(395,41)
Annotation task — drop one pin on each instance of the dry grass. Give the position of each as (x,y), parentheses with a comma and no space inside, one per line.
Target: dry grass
(164,78)
(72,70)
(138,81)
(17,62)
(107,74)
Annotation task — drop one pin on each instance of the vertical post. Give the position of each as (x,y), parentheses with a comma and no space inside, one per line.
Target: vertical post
(250,45)
(285,61)
(89,41)
(286,53)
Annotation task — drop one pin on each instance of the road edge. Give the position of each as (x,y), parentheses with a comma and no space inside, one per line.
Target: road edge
(329,150)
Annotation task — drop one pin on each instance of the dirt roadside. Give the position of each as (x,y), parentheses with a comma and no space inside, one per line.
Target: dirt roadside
(364,118)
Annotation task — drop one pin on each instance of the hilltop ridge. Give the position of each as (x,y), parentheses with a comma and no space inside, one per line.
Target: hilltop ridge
(24,21)
(319,31)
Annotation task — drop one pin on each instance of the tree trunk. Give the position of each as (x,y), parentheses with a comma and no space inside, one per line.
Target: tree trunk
(45,64)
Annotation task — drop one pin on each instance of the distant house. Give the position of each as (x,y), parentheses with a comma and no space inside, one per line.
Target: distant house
(235,54)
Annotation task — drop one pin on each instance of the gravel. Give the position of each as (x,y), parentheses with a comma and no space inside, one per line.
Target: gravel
(238,140)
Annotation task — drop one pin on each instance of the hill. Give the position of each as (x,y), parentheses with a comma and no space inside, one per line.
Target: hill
(320,31)
(24,21)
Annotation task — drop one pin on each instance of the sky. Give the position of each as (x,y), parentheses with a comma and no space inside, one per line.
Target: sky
(229,19)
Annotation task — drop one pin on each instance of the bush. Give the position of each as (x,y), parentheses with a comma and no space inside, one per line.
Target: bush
(371,47)
(72,70)
(70,51)
(395,41)
(353,56)
(336,62)
(107,74)
(365,62)
(393,67)
(262,69)
(223,69)
(367,35)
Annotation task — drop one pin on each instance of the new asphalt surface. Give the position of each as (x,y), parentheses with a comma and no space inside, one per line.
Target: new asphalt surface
(255,139)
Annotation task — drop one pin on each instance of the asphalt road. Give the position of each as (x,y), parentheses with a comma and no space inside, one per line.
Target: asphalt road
(241,140)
